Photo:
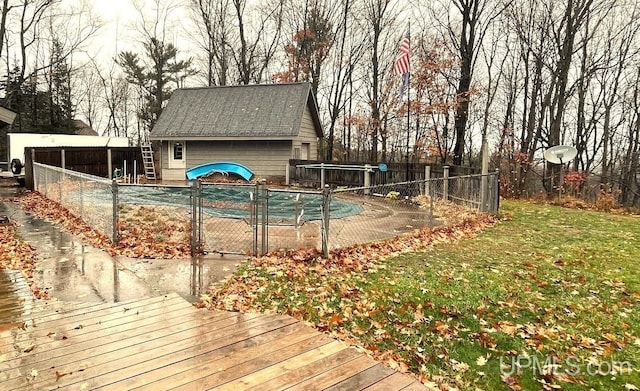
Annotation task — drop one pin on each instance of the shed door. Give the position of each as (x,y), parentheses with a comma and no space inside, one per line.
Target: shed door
(177,154)
(306,151)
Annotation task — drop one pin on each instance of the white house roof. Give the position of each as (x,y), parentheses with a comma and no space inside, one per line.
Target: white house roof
(247,111)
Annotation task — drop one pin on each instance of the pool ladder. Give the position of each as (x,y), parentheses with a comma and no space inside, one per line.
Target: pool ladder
(147,160)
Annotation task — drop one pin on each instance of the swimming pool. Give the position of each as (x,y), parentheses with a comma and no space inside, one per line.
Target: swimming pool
(235,201)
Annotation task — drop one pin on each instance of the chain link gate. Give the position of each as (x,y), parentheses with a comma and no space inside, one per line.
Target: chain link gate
(254,220)
(229,218)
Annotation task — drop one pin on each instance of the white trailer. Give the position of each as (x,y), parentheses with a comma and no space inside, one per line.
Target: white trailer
(17,142)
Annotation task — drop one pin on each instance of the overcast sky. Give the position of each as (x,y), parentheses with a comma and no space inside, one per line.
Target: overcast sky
(118,32)
(114,14)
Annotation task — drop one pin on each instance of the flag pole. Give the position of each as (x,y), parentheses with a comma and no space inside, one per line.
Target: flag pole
(402,66)
(408,103)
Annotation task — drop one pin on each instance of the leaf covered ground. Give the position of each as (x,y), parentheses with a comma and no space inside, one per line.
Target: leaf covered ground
(144,232)
(547,299)
(16,254)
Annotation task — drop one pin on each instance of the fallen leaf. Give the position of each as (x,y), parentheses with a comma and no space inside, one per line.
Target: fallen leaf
(459,366)
(336,319)
(511,382)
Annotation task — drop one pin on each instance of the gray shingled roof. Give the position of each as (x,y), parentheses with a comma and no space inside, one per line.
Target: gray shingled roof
(6,116)
(263,110)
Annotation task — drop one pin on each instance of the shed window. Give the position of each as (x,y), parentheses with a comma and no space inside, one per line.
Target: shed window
(177,151)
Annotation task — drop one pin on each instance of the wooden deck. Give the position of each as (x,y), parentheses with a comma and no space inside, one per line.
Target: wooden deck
(164,343)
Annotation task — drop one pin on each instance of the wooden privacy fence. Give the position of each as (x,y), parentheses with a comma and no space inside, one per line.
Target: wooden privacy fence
(97,161)
(396,172)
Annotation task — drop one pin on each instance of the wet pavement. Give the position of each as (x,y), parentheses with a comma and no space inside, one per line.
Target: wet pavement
(72,271)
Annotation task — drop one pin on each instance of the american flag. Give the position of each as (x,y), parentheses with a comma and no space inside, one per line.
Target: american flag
(401,64)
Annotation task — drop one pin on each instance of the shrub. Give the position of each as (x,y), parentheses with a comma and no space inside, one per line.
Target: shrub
(607,199)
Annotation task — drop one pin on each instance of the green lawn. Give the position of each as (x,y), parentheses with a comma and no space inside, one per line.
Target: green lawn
(554,290)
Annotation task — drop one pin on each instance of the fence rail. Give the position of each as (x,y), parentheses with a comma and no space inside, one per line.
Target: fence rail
(255,219)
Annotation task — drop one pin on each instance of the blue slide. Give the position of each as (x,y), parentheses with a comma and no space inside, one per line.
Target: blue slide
(219,167)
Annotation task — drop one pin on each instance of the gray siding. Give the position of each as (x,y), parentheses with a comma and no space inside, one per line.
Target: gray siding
(164,155)
(167,173)
(264,158)
(307,135)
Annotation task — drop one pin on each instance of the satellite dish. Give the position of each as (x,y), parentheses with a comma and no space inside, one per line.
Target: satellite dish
(560,154)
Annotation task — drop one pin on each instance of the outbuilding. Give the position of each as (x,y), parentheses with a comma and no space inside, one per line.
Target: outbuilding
(258,126)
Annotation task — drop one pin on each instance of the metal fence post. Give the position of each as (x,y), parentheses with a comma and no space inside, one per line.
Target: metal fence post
(114,191)
(254,218)
(326,207)
(63,165)
(194,217)
(60,183)
(200,215)
(496,195)
(445,184)
(484,185)
(427,183)
(431,194)
(265,218)
(81,197)
(46,182)
(35,175)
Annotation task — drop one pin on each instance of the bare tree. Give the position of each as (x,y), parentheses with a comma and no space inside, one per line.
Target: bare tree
(44,35)
(379,17)
(213,23)
(3,22)
(620,42)
(476,17)
(255,48)
(630,187)
(344,60)
(88,95)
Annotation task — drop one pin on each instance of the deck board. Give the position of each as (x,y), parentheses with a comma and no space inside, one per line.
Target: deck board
(165,343)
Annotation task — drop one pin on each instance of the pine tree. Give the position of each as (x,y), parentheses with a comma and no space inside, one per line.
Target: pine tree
(153,75)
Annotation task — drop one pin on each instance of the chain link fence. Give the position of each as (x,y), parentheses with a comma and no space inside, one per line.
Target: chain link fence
(253,219)
(385,211)
(226,217)
(477,192)
(393,209)
(295,219)
(159,214)
(86,196)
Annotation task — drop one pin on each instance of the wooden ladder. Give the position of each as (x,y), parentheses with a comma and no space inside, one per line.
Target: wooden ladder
(147,160)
